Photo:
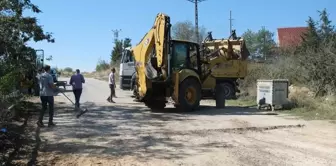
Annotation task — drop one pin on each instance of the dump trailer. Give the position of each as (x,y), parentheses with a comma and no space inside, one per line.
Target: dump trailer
(177,69)
(224,62)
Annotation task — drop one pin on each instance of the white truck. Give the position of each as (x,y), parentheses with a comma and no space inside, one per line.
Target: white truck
(127,69)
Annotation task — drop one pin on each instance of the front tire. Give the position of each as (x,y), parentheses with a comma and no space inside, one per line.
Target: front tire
(189,95)
(220,96)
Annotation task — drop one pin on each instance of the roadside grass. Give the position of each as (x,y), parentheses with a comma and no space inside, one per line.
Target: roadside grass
(319,110)
(304,107)
(313,114)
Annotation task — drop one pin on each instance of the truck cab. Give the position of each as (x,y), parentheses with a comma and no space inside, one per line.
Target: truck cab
(127,69)
(54,74)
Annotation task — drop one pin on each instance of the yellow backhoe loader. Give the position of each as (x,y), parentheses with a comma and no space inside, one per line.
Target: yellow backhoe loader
(179,69)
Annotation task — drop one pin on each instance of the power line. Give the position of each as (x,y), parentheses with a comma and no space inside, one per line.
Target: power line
(196,16)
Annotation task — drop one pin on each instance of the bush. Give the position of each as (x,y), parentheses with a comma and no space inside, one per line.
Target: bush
(68,69)
(102,65)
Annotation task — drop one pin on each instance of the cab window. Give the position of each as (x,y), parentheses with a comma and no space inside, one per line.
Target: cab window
(127,57)
(179,55)
(52,71)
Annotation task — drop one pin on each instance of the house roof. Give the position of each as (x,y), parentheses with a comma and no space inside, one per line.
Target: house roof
(291,36)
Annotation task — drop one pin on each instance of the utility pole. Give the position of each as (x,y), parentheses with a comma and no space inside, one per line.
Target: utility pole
(116,34)
(196,17)
(231,19)
(264,42)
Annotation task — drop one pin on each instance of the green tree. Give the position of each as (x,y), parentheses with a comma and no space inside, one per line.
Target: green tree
(327,30)
(259,43)
(311,37)
(68,69)
(17,58)
(318,31)
(317,54)
(250,38)
(102,65)
(117,50)
(185,30)
(265,39)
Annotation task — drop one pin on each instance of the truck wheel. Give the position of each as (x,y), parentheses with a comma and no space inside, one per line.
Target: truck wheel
(229,90)
(189,95)
(220,95)
(155,105)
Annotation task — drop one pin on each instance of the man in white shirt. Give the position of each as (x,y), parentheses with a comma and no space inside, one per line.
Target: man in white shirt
(112,85)
(46,95)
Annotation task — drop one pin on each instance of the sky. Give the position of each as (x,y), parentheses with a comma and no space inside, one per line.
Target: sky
(83,29)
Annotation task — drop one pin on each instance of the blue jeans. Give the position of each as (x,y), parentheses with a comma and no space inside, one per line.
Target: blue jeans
(47,100)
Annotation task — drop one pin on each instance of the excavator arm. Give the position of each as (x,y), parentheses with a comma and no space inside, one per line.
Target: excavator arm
(151,55)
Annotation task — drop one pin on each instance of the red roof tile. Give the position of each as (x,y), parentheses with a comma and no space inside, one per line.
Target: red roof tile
(289,37)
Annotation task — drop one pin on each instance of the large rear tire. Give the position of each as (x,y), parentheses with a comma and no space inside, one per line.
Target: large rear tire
(189,95)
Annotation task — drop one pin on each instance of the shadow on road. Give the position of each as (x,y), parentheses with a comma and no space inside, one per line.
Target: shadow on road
(130,131)
(212,110)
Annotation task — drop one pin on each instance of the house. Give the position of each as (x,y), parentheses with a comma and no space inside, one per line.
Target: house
(291,36)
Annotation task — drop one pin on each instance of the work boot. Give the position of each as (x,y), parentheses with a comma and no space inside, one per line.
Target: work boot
(51,124)
(40,124)
(136,100)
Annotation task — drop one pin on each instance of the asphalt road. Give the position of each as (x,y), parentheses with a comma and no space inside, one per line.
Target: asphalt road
(96,91)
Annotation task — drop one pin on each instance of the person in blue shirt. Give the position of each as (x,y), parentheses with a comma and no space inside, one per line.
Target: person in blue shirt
(77,81)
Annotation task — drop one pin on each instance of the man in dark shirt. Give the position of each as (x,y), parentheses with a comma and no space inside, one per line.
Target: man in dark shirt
(77,81)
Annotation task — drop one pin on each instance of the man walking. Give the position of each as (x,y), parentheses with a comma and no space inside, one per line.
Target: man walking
(112,85)
(47,96)
(77,81)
